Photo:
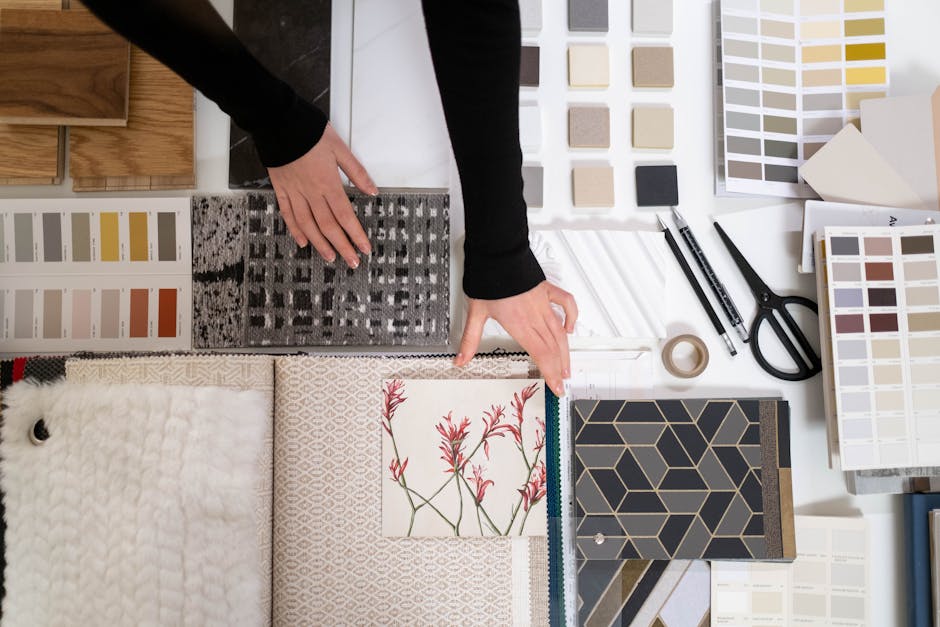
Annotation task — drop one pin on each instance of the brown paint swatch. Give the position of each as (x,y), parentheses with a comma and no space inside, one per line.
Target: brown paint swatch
(883,323)
(653,66)
(918,322)
(166,313)
(854,323)
(139,308)
(61,67)
(882,297)
(529,67)
(917,245)
(879,271)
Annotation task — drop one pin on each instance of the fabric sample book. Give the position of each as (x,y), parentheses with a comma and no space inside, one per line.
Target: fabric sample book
(253,286)
(234,372)
(332,565)
(142,496)
(917,508)
(644,593)
(292,40)
(827,584)
(683,479)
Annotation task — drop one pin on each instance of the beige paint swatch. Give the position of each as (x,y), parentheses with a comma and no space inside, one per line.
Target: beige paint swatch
(653,66)
(903,131)
(593,186)
(588,66)
(653,127)
(589,127)
(849,169)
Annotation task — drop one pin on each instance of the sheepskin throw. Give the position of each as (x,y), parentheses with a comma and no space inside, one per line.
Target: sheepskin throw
(131,504)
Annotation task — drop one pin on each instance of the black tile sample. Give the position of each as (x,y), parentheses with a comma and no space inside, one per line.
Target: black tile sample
(292,40)
(657,186)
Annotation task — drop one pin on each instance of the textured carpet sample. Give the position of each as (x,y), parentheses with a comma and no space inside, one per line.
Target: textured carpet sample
(234,372)
(331,563)
(136,508)
(252,285)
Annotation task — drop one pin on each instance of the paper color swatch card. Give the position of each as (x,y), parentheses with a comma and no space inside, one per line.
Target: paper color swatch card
(95,274)
(827,584)
(794,72)
(884,300)
(463,458)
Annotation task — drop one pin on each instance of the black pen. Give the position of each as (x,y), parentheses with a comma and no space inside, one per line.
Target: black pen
(718,288)
(702,298)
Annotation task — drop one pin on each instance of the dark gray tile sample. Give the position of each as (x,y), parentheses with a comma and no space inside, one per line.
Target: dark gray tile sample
(253,286)
(587,16)
(657,186)
(529,67)
(292,40)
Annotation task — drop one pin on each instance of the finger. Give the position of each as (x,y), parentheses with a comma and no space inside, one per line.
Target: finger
(306,223)
(283,203)
(472,332)
(568,304)
(346,217)
(542,347)
(561,339)
(333,232)
(354,170)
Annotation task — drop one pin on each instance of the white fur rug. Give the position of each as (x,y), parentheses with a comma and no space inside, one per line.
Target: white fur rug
(138,509)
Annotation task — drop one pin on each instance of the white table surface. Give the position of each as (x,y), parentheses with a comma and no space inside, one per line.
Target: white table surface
(765,229)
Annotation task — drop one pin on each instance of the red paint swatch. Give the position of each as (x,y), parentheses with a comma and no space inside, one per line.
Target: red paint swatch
(879,271)
(166,316)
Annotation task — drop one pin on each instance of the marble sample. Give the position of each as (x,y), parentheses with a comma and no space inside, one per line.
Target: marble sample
(653,66)
(592,186)
(653,127)
(533,186)
(588,66)
(589,127)
(292,40)
(395,101)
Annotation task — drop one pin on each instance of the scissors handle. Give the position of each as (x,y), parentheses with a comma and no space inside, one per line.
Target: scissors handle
(808,363)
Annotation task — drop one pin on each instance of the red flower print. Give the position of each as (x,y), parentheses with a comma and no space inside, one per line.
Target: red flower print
(534,489)
(479,483)
(539,435)
(493,428)
(518,408)
(452,442)
(394,396)
(397,469)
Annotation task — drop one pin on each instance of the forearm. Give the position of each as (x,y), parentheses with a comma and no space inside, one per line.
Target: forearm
(193,40)
(475,45)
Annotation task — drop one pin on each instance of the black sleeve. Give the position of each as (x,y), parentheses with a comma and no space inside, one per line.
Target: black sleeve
(475,46)
(193,40)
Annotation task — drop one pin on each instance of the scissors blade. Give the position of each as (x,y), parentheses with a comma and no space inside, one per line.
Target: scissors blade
(757,285)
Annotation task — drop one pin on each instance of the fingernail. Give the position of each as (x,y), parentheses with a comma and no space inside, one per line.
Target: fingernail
(330,259)
(373,190)
(458,358)
(566,373)
(353,263)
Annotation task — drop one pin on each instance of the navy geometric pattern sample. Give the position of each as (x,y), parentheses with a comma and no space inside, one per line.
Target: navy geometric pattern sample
(679,479)
(253,286)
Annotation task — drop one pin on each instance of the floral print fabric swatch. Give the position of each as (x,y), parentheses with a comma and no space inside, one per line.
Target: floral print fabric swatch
(463,458)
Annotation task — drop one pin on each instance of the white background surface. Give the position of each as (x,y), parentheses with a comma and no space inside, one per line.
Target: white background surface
(768,236)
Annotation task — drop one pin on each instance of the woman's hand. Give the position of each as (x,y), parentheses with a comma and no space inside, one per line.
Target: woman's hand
(530,320)
(313,202)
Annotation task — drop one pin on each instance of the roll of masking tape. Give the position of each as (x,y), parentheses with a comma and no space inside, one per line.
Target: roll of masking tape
(701,356)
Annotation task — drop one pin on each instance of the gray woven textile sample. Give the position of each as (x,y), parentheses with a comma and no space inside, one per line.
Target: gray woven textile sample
(252,285)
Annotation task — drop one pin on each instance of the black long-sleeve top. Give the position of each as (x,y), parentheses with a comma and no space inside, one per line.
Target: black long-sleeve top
(475,46)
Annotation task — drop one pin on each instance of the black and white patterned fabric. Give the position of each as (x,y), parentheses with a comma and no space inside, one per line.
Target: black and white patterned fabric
(253,286)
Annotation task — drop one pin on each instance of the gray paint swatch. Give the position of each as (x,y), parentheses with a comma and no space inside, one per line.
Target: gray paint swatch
(51,237)
(81,237)
(52,314)
(292,40)
(23,314)
(23,237)
(110,313)
(166,236)
(587,15)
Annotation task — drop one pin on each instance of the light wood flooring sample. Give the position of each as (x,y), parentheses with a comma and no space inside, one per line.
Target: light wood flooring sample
(61,67)
(155,150)
(30,155)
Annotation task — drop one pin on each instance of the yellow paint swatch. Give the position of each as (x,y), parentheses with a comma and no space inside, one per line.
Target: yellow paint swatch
(858,6)
(820,30)
(864,52)
(865,75)
(822,54)
(138,229)
(864,28)
(853,98)
(822,78)
(109,236)
(821,7)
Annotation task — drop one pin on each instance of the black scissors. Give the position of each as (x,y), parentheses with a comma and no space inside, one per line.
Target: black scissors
(770,306)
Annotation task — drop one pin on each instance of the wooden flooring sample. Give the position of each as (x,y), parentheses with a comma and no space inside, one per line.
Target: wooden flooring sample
(156,148)
(30,155)
(61,67)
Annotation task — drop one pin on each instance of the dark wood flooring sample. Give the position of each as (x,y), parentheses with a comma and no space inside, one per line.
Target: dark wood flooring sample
(61,67)
(292,40)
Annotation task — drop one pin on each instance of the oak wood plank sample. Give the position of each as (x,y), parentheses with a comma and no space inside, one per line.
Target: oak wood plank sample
(61,67)
(31,155)
(156,148)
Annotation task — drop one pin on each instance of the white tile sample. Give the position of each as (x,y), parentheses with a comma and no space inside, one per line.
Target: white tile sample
(530,128)
(652,17)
